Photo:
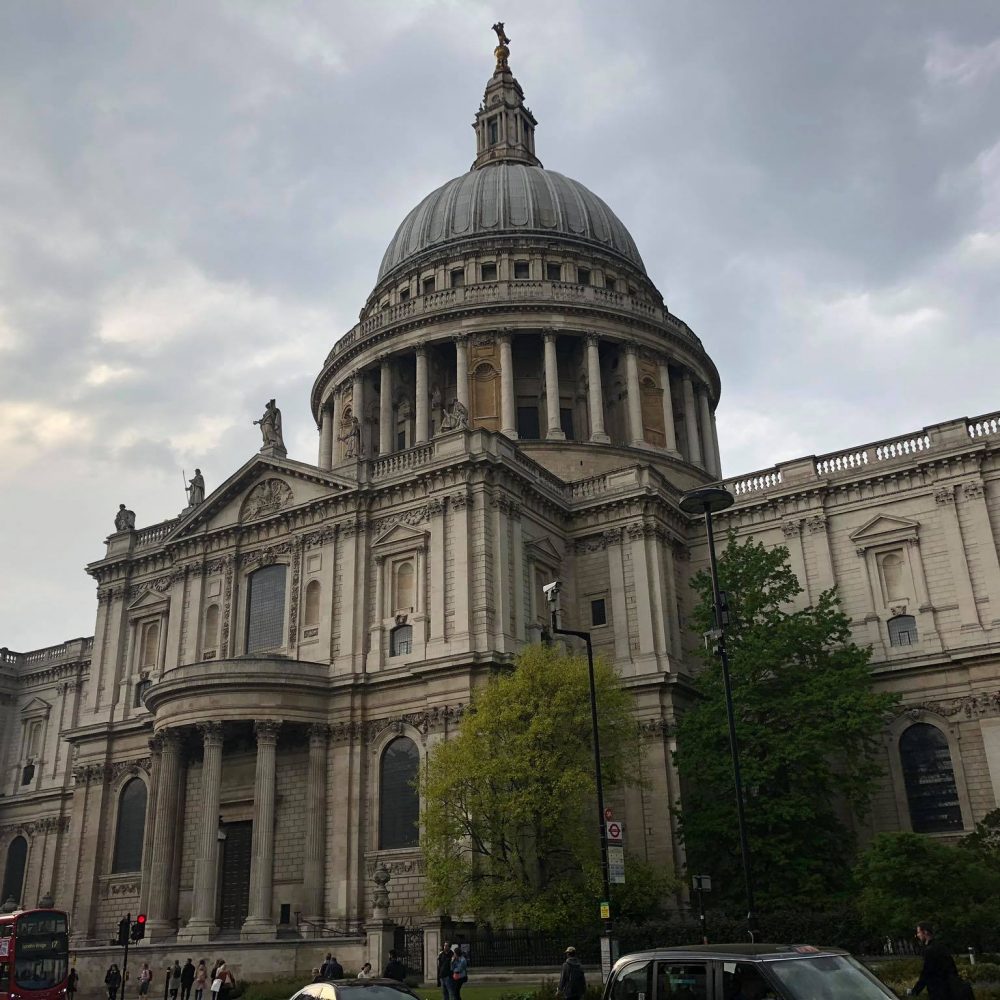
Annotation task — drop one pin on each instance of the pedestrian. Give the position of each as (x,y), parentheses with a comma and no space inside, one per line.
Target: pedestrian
(200,980)
(324,969)
(335,970)
(444,971)
(366,971)
(226,981)
(175,980)
(187,979)
(394,968)
(71,982)
(145,978)
(938,968)
(113,980)
(572,981)
(459,972)
(317,976)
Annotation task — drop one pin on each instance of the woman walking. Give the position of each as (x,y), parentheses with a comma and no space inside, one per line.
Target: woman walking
(113,980)
(200,980)
(459,972)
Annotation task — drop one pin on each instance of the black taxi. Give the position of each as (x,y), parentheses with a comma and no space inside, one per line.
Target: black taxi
(743,972)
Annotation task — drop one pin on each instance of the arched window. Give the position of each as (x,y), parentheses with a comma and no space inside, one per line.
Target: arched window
(131,827)
(311,614)
(401,640)
(150,643)
(930,779)
(892,574)
(13,872)
(902,630)
(266,609)
(34,739)
(212,626)
(399,800)
(403,591)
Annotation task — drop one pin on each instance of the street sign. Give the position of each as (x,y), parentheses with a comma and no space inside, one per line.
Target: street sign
(605,958)
(613,829)
(616,865)
(608,814)
(605,910)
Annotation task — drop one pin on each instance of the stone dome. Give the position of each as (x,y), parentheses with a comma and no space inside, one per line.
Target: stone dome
(510,199)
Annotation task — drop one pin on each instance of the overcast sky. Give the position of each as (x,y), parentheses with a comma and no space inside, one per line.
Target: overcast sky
(195,198)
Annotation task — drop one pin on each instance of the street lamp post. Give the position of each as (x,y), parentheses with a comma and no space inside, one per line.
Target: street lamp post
(710,500)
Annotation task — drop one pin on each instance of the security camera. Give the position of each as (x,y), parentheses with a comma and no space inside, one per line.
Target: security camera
(551,591)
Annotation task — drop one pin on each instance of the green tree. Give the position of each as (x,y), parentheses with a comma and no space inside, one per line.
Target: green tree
(984,841)
(808,722)
(904,877)
(509,823)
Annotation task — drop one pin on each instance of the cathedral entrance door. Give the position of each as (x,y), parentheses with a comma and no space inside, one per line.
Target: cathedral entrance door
(235,890)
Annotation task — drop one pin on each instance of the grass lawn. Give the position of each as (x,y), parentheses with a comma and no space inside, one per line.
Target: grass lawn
(492,992)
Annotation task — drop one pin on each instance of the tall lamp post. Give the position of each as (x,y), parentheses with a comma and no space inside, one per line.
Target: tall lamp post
(710,500)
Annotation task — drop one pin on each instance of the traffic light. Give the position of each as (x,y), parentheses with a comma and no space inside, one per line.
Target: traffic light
(139,927)
(123,929)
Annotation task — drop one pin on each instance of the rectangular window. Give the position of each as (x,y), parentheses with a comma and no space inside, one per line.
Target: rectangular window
(687,980)
(401,440)
(528,428)
(522,269)
(489,272)
(428,286)
(566,422)
(553,272)
(583,275)
(404,295)
(458,278)
(609,282)
(494,129)
(598,612)
(266,609)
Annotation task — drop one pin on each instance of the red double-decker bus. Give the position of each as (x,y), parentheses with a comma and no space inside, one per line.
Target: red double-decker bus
(34,955)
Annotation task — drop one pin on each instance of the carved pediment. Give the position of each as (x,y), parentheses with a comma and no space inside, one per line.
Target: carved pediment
(151,600)
(267,497)
(544,551)
(400,536)
(884,529)
(36,709)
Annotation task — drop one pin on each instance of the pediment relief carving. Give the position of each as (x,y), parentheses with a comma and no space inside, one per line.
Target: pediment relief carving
(268,497)
(401,534)
(151,596)
(543,550)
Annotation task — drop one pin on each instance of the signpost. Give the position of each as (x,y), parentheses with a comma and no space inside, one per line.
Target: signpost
(614,832)
(702,884)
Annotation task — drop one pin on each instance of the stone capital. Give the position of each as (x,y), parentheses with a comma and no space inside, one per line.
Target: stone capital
(944,495)
(319,734)
(211,733)
(266,731)
(593,339)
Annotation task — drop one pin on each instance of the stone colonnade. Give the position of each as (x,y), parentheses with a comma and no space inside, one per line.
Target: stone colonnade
(701,441)
(168,748)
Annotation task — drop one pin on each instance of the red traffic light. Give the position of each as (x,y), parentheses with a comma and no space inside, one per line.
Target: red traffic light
(141,919)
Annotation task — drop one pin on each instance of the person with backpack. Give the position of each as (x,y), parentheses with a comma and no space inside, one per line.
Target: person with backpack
(113,980)
(444,971)
(459,972)
(572,981)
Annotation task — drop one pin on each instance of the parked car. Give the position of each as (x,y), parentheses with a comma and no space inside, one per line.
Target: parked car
(356,989)
(743,972)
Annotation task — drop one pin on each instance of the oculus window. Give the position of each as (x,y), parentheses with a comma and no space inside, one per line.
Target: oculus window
(266,609)
(399,800)
(930,780)
(131,828)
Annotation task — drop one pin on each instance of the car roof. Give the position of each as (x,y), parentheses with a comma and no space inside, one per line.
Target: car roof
(762,951)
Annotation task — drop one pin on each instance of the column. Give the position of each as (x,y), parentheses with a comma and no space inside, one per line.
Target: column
(161,923)
(635,435)
(669,431)
(691,421)
(462,369)
(325,437)
(707,447)
(385,427)
(201,927)
(422,431)
(313,869)
(358,408)
(715,447)
(554,431)
(595,391)
(508,417)
(338,419)
(260,922)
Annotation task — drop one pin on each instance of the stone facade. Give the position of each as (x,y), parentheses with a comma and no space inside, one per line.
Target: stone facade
(515,405)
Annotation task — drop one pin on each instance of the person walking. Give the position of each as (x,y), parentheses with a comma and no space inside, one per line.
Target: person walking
(113,980)
(226,981)
(324,967)
(335,970)
(72,981)
(938,967)
(200,980)
(459,972)
(175,980)
(394,968)
(187,979)
(366,971)
(145,978)
(572,981)
(444,971)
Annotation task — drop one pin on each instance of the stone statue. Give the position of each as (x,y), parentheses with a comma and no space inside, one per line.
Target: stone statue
(352,439)
(502,38)
(196,489)
(124,519)
(270,427)
(380,898)
(456,417)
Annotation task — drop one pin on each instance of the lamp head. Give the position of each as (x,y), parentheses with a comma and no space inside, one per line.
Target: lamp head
(708,499)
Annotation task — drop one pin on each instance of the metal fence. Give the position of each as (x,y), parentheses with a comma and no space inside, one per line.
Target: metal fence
(409,945)
(513,948)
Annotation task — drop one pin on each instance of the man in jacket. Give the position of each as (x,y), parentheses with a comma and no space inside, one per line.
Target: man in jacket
(938,967)
(394,968)
(572,982)
(444,971)
(187,979)
(335,970)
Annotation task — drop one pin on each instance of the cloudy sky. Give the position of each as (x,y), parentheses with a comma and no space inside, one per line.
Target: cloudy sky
(195,197)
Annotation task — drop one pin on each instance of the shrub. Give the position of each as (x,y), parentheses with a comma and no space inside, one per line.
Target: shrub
(276,989)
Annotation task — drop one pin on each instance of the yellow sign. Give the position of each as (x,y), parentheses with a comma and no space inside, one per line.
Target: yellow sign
(605,911)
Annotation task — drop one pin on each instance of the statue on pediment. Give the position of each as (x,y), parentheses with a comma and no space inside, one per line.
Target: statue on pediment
(196,489)
(124,519)
(270,427)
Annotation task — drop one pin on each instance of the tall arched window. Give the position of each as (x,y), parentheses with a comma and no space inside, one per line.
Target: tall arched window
(399,799)
(266,609)
(13,872)
(403,597)
(150,644)
(212,626)
(902,630)
(131,827)
(930,780)
(311,614)
(892,574)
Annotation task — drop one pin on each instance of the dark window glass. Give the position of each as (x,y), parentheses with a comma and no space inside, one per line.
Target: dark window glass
(522,269)
(400,440)
(489,272)
(609,282)
(266,616)
(598,612)
(286,914)
(527,423)
(583,275)
(494,132)
(633,982)
(140,689)
(27,774)
(13,872)
(674,979)
(399,801)
(131,827)
(902,630)
(401,640)
(746,980)
(428,286)
(929,779)
(566,422)
(553,272)
(404,295)
(457,278)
